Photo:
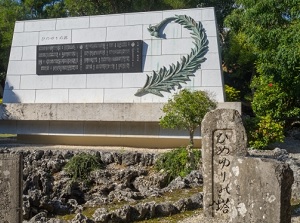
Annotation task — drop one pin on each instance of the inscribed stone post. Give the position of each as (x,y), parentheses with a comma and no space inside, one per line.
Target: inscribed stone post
(11,188)
(223,134)
(239,188)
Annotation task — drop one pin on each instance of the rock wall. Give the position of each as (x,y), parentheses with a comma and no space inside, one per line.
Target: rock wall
(48,190)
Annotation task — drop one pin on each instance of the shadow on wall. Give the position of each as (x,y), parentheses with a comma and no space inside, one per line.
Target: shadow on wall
(9,96)
(8,123)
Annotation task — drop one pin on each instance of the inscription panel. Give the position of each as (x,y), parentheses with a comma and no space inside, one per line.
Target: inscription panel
(222,146)
(82,58)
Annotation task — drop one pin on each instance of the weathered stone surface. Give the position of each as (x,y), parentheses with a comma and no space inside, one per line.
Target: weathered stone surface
(292,159)
(190,203)
(101,215)
(145,210)
(80,218)
(48,189)
(238,188)
(165,209)
(254,190)
(11,188)
(82,112)
(223,133)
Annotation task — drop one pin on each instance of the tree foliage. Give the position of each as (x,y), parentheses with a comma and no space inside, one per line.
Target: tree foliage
(13,10)
(186,111)
(10,11)
(262,131)
(271,32)
(43,9)
(99,7)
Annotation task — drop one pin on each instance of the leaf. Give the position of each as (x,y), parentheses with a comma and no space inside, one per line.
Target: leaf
(177,74)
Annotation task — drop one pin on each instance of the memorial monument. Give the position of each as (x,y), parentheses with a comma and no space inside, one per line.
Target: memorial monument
(102,80)
(239,188)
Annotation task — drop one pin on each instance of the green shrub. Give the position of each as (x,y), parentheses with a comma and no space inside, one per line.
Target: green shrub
(186,110)
(264,131)
(177,162)
(232,94)
(80,166)
(269,98)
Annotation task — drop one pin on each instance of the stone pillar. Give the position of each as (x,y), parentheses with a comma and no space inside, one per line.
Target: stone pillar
(239,188)
(223,134)
(11,188)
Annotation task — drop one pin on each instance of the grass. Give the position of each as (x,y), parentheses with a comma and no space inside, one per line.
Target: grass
(7,135)
(170,219)
(173,196)
(88,212)
(174,218)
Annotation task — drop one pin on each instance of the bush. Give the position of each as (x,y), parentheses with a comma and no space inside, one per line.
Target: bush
(177,163)
(80,166)
(264,131)
(270,99)
(232,94)
(186,111)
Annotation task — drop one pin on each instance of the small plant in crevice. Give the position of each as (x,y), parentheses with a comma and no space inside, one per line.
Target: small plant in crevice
(80,166)
(177,162)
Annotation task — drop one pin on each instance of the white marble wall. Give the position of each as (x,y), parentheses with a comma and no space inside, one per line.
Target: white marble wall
(23,85)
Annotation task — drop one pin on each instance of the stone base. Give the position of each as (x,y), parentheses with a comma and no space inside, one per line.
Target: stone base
(123,112)
(142,142)
(108,124)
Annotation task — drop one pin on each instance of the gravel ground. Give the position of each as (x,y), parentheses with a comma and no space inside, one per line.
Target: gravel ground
(291,145)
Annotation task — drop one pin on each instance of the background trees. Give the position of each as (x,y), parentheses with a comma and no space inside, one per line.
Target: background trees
(10,11)
(269,31)
(43,9)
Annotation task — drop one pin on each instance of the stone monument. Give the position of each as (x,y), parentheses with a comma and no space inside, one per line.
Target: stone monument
(238,188)
(104,79)
(11,188)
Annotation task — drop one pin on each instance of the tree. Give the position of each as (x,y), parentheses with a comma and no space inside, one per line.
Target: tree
(222,7)
(43,9)
(186,111)
(100,7)
(270,29)
(10,11)
(238,64)
(266,35)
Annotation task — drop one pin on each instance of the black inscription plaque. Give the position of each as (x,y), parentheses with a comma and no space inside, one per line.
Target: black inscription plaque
(82,58)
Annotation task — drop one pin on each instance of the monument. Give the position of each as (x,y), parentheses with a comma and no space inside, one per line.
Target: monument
(102,80)
(238,188)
